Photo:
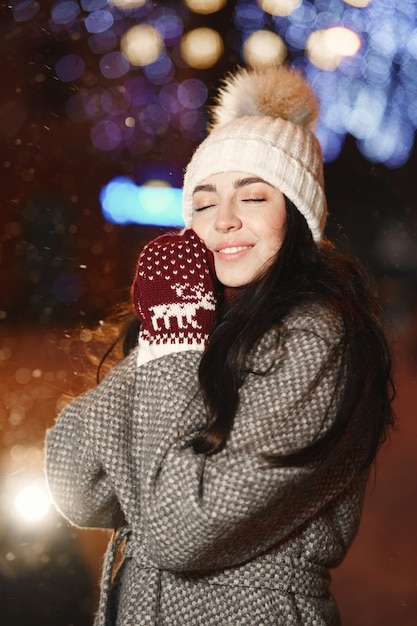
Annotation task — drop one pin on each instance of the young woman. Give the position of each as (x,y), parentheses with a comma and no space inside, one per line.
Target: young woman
(230,450)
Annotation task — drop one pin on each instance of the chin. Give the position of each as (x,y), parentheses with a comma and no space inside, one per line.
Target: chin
(234,284)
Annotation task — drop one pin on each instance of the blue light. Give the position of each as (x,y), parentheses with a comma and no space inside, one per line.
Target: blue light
(98,21)
(304,15)
(24,11)
(93,5)
(65,12)
(331,142)
(70,67)
(123,202)
(249,17)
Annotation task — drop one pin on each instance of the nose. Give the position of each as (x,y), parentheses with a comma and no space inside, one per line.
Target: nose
(227,218)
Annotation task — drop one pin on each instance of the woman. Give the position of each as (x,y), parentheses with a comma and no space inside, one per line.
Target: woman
(231,449)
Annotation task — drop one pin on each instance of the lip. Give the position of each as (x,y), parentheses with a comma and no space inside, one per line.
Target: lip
(232,250)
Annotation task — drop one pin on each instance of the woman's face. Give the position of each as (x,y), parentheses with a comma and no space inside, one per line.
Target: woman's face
(242,220)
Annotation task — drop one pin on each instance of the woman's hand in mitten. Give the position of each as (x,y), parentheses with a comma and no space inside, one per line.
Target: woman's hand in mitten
(174,295)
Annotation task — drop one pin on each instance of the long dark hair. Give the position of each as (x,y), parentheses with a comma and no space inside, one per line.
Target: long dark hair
(301,273)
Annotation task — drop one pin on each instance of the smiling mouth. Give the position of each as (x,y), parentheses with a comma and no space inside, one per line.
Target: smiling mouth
(233,249)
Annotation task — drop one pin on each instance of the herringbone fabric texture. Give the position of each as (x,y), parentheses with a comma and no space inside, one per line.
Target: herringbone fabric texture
(222,540)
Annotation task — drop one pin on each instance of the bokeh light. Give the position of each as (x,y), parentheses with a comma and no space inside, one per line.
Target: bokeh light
(24,11)
(114,64)
(264,48)
(342,41)
(65,12)
(283,8)
(128,4)
(106,135)
(70,67)
(100,43)
(351,51)
(154,203)
(320,54)
(32,503)
(201,48)
(142,44)
(99,21)
(205,7)
(360,4)
(161,71)
(192,93)
(170,26)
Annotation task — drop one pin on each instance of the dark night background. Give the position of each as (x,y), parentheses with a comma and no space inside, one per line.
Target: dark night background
(63,268)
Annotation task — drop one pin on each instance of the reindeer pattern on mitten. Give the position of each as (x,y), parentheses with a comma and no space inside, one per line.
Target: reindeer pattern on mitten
(183,311)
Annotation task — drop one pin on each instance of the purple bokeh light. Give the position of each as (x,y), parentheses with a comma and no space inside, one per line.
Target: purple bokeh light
(70,67)
(106,135)
(114,65)
(192,93)
(100,43)
(24,11)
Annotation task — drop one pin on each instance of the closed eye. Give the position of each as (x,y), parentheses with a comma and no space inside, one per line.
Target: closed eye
(202,208)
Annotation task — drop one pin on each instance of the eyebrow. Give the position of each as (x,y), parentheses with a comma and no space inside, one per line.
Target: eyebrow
(242,182)
(204,188)
(237,184)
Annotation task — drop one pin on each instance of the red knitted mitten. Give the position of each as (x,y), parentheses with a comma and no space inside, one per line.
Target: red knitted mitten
(174,295)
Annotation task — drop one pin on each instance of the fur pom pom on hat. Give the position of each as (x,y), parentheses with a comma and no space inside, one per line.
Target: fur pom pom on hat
(262,124)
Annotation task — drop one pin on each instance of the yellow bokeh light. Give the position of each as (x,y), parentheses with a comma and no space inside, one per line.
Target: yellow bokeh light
(201,48)
(359,4)
(326,48)
(263,48)
(205,7)
(281,8)
(158,183)
(127,4)
(342,41)
(319,54)
(142,44)
(32,503)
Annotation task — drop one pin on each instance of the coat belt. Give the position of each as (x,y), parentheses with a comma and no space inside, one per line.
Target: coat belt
(285,574)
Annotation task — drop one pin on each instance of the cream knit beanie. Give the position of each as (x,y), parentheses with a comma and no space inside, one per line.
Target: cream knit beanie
(262,125)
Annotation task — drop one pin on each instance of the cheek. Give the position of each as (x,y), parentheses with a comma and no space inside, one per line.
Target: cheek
(198,226)
(278,231)
(273,231)
(273,243)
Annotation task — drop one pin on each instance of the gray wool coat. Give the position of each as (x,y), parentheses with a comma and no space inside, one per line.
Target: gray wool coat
(225,539)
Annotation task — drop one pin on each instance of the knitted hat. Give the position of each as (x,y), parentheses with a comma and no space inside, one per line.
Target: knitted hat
(262,125)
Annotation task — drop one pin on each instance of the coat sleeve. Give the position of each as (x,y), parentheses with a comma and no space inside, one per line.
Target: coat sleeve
(213,512)
(82,449)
